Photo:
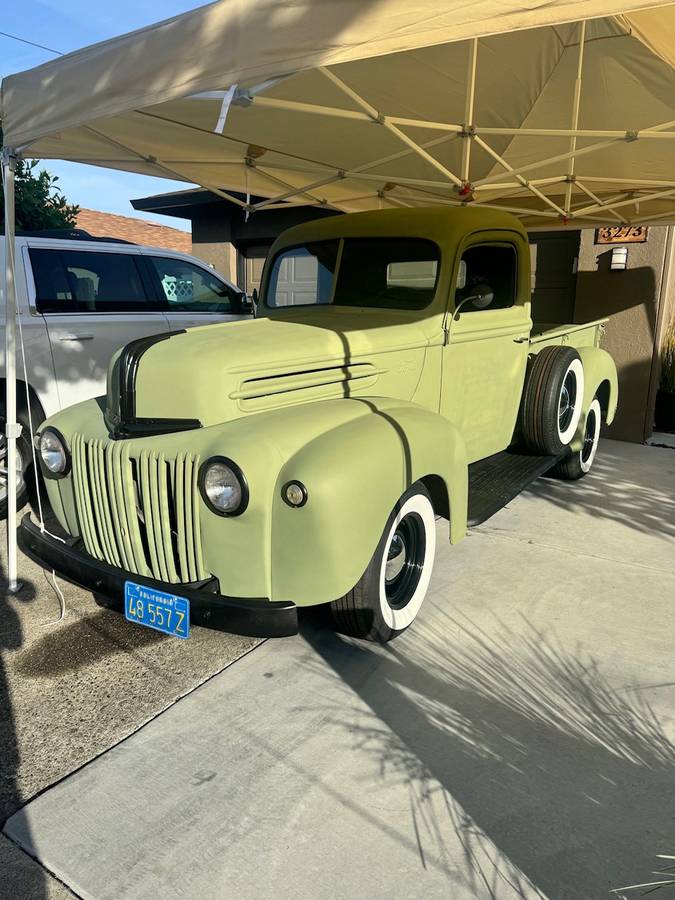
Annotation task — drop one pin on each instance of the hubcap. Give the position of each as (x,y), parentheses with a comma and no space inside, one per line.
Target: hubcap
(3,468)
(589,437)
(568,399)
(405,561)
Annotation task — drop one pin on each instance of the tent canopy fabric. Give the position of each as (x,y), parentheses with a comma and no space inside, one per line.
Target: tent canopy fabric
(562,112)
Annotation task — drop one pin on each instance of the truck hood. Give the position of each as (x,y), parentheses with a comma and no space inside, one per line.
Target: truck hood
(217,373)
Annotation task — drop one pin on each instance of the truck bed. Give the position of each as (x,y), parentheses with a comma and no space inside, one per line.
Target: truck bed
(586,334)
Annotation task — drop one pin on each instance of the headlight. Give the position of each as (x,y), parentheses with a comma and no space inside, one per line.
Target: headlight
(54,452)
(223,486)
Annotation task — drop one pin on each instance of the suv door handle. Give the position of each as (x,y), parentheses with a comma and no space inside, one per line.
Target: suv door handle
(77,337)
(522,339)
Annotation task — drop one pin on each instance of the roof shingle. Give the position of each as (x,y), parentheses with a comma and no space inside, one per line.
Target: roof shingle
(139,231)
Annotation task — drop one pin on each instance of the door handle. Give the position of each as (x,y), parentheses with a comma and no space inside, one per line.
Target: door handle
(523,339)
(77,337)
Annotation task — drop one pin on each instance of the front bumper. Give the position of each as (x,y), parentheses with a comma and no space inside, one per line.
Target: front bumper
(251,617)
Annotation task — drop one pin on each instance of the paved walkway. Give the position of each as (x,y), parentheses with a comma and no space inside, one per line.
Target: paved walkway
(519,742)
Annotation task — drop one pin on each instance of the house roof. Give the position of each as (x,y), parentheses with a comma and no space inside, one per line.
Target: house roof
(139,231)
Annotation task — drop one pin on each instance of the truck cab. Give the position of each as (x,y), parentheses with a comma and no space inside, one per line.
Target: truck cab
(391,376)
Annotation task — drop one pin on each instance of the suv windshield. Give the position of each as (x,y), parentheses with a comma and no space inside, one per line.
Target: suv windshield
(391,273)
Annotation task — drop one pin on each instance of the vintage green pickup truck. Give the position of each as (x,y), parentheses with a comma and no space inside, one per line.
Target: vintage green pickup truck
(393,375)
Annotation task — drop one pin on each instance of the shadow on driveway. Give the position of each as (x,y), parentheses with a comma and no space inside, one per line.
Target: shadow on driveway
(14,870)
(551,778)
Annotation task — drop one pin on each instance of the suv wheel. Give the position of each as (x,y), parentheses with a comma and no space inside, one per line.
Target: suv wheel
(23,463)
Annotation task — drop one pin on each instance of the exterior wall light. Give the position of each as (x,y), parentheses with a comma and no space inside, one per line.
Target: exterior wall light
(619,258)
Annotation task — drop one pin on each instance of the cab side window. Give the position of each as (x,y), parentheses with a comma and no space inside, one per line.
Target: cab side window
(189,288)
(488,275)
(82,281)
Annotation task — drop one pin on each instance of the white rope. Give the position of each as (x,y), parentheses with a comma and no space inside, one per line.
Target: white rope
(62,601)
(36,474)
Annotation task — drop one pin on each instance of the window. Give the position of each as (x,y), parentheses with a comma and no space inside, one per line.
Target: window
(80,281)
(303,276)
(189,288)
(487,271)
(391,273)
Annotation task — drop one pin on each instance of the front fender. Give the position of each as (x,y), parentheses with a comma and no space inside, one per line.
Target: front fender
(354,474)
(599,376)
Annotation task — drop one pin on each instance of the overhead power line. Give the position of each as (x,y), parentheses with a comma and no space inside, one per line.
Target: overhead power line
(21,40)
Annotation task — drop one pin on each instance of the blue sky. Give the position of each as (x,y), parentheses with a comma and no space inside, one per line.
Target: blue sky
(67,25)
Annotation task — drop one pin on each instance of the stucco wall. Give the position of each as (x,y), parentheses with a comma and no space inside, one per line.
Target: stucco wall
(631,299)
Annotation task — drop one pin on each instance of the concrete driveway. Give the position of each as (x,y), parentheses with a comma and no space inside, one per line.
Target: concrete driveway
(518,742)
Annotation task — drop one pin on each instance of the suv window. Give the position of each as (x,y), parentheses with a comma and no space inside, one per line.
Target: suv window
(387,273)
(488,268)
(189,288)
(77,281)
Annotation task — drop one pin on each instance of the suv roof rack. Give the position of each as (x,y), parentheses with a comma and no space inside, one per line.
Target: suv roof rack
(69,234)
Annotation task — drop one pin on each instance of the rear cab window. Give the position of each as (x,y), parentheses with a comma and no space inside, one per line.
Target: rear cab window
(84,281)
(387,273)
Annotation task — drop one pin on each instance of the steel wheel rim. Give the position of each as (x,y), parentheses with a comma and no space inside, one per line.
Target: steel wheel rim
(589,437)
(404,561)
(3,468)
(567,402)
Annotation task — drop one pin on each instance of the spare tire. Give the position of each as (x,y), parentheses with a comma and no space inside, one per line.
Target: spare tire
(552,400)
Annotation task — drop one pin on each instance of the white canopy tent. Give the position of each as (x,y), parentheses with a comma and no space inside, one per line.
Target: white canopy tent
(562,112)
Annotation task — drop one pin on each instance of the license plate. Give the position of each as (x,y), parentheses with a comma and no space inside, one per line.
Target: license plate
(156,609)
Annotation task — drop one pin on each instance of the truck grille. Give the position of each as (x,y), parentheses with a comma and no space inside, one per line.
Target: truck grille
(139,514)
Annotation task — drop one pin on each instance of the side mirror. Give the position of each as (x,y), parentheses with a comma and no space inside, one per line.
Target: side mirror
(243,303)
(482,296)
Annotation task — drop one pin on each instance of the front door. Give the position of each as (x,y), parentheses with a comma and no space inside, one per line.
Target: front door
(93,302)
(194,295)
(486,350)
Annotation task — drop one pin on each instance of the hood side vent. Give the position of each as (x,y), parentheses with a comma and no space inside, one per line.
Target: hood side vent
(312,381)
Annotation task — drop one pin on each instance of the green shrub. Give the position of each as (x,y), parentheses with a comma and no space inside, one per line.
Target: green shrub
(668,360)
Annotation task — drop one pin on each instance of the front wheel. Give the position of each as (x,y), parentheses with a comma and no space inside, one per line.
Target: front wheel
(23,459)
(390,592)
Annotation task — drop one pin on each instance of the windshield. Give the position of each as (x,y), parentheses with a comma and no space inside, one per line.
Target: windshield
(391,273)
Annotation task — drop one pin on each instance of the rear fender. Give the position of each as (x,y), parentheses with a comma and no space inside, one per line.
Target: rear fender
(599,378)
(354,474)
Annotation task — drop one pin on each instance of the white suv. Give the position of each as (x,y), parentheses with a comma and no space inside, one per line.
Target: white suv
(81,298)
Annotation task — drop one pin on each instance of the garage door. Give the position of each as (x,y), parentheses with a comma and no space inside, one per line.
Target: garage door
(254,261)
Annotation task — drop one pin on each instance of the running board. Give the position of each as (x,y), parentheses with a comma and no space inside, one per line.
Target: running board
(496,480)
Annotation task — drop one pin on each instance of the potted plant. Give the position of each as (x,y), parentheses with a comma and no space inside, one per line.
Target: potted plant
(664,413)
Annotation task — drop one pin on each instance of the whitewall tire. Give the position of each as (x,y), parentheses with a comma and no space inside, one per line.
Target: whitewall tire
(579,463)
(390,592)
(552,400)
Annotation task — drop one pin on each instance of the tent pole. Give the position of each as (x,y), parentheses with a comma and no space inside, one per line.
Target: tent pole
(525,183)
(467,134)
(593,148)
(575,116)
(644,198)
(303,189)
(12,428)
(386,123)
(606,204)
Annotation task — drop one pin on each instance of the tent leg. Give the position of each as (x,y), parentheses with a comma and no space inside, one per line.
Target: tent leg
(12,429)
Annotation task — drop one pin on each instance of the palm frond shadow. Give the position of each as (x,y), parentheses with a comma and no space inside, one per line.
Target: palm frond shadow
(554,782)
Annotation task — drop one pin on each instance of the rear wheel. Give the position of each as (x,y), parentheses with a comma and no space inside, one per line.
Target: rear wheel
(578,464)
(552,397)
(390,592)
